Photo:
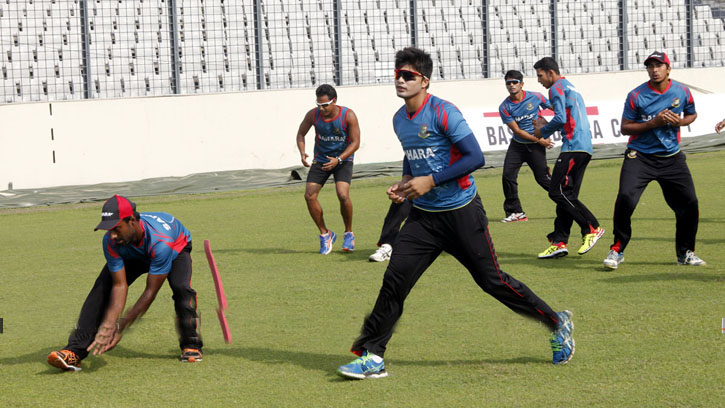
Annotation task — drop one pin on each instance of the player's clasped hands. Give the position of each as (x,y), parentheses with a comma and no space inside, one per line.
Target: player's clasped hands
(667,117)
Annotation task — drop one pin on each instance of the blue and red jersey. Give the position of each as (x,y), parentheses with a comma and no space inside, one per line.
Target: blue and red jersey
(644,103)
(523,112)
(331,138)
(428,138)
(164,238)
(570,117)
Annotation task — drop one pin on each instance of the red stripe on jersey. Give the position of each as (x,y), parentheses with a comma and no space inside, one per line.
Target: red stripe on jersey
(465,181)
(570,124)
(110,250)
(179,244)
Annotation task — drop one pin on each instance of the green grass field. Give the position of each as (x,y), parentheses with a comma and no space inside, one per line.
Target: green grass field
(647,334)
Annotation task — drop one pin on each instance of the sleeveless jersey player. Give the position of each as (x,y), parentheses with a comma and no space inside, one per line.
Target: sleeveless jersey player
(570,116)
(523,112)
(164,237)
(644,103)
(331,137)
(428,139)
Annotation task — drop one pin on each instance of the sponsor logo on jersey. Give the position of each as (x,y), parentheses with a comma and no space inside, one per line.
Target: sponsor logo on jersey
(336,131)
(676,103)
(419,154)
(632,154)
(423,132)
(106,214)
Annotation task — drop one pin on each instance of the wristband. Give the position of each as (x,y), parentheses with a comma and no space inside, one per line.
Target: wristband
(339,160)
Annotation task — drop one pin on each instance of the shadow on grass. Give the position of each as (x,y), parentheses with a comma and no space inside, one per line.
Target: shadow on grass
(685,275)
(356,255)
(41,357)
(328,363)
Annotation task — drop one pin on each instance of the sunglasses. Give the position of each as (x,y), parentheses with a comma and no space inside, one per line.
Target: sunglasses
(512,82)
(407,75)
(328,103)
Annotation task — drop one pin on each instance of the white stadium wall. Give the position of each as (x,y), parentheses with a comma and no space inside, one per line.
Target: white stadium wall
(115,140)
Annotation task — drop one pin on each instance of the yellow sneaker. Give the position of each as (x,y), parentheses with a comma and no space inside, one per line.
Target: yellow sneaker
(556,250)
(590,239)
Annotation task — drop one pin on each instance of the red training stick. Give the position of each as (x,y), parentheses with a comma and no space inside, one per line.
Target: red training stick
(219,293)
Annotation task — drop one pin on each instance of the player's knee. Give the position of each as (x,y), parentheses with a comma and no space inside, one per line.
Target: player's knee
(310,196)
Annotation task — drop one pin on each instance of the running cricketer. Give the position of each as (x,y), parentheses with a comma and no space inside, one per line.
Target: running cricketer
(447,215)
(337,137)
(570,117)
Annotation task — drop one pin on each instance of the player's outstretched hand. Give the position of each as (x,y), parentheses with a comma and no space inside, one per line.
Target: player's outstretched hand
(417,186)
(395,193)
(103,339)
(720,126)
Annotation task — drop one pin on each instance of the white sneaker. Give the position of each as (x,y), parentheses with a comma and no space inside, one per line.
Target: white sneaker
(691,259)
(513,217)
(382,254)
(613,259)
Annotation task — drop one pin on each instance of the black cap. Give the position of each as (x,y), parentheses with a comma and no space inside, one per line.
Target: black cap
(114,210)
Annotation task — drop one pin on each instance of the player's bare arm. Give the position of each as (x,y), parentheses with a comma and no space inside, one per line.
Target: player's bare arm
(153,284)
(107,330)
(521,133)
(305,126)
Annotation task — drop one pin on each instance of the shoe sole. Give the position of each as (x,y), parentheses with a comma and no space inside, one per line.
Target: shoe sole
(508,222)
(191,360)
(596,238)
(556,254)
(57,362)
(355,376)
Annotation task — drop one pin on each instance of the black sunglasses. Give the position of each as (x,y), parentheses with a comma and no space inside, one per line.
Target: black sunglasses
(513,81)
(407,75)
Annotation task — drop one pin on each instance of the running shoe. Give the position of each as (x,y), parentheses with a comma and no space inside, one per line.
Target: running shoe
(348,242)
(555,250)
(613,259)
(690,259)
(513,217)
(326,241)
(66,360)
(381,254)
(367,366)
(562,342)
(590,239)
(191,355)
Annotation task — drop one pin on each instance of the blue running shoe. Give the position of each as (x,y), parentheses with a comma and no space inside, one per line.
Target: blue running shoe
(562,343)
(348,243)
(326,241)
(367,366)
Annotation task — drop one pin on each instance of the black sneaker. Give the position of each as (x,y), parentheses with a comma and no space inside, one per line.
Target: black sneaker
(191,355)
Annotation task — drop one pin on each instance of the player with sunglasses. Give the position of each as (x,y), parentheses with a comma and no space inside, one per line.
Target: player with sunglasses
(441,151)
(519,111)
(337,137)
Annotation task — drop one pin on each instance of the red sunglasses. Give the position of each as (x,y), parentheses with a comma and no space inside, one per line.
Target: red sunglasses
(408,75)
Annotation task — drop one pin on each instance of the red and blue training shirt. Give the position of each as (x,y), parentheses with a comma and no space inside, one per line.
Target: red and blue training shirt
(644,103)
(164,237)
